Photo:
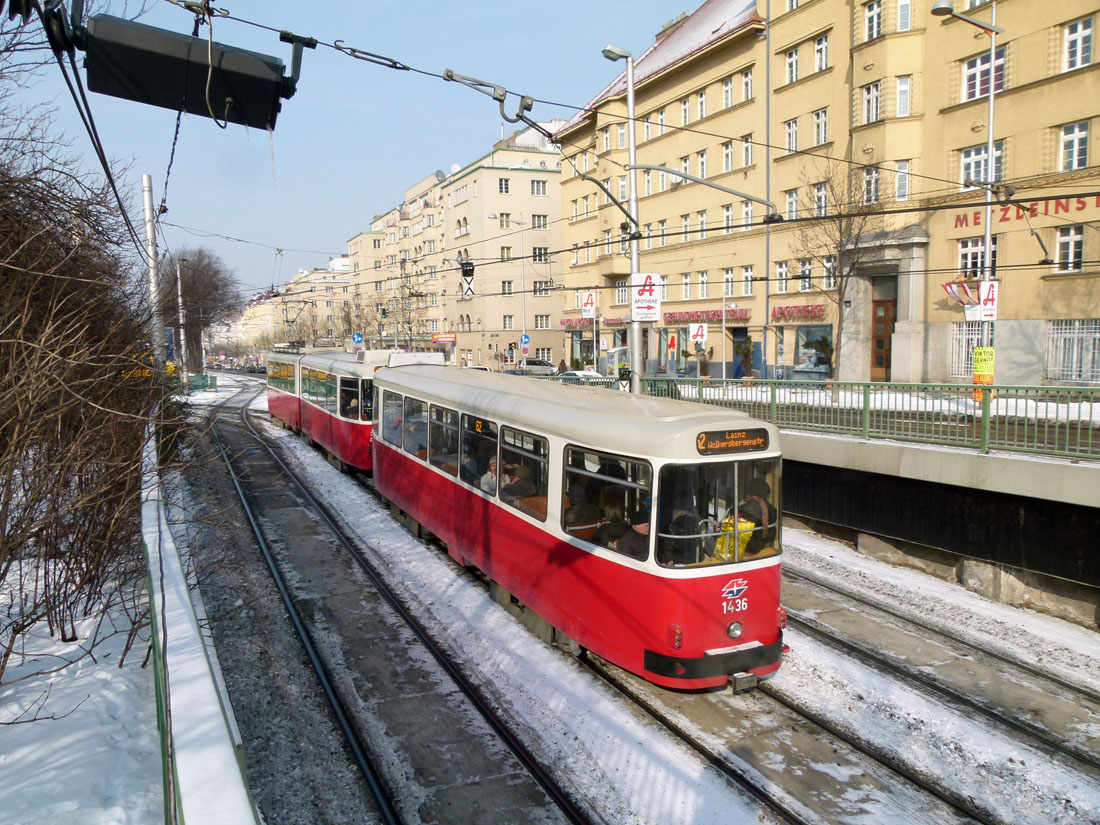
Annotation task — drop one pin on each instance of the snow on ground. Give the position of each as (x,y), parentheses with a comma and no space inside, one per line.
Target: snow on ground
(99,765)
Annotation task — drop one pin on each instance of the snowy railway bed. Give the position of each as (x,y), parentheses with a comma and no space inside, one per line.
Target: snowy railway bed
(421,751)
(623,767)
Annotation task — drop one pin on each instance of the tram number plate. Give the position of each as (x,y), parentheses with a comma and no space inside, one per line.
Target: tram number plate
(719,442)
(735,606)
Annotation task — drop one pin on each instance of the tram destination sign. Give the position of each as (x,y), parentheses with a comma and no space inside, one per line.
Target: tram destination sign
(721,442)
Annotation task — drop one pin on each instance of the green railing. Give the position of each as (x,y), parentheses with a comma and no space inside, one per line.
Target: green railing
(1056,421)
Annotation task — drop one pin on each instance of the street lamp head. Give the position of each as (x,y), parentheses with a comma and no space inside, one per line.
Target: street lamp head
(943,8)
(614,53)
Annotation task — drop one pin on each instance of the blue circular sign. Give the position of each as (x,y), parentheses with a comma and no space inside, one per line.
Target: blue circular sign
(525,339)
(357,338)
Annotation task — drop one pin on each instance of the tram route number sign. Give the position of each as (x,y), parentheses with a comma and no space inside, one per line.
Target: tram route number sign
(645,299)
(723,442)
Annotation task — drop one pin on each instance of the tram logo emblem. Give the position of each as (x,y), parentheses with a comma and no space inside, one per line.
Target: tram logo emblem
(735,589)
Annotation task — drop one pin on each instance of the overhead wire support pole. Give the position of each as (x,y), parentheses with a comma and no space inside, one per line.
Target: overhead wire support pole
(157,342)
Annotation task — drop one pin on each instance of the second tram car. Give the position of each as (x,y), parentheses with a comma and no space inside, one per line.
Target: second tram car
(643,529)
(326,395)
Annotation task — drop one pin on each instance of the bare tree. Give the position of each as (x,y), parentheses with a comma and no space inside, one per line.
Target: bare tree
(209,295)
(846,206)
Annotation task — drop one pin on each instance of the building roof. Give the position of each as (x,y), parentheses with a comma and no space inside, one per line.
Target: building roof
(713,21)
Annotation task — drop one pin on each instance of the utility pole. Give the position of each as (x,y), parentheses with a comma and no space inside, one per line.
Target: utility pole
(183,334)
(157,342)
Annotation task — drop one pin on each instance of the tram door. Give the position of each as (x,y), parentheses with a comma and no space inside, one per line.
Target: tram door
(883,315)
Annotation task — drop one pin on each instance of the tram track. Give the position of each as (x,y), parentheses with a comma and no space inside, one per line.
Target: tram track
(1026,692)
(240,424)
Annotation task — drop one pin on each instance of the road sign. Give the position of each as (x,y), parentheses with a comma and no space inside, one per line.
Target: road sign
(588,304)
(645,301)
(698,334)
(468,286)
(525,350)
(357,338)
(525,339)
(988,292)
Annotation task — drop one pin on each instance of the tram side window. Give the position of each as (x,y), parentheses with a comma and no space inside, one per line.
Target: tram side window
(391,417)
(443,439)
(525,471)
(367,413)
(479,447)
(607,499)
(349,398)
(416,427)
(331,394)
(726,511)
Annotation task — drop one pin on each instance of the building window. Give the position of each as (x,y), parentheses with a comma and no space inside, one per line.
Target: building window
(790,132)
(746,215)
(872,15)
(622,292)
(972,257)
(821,127)
(727,92)
(821,199)
(622,135)
(622,188)
(540,254)
(727,283)
(902,108)
(1073,350)
(538,188)
(976,75)
(792,65)
(905,14)
(1078,44)
(685,223)
(623,240)
(781,276)
(821,53)
(901,182)
(607,138)
(685,293)
(685,111)
(647,182)
(662,180)
(505,220)
(432,275)
(648,235)
(685,166)
(506,253)
(727,156)
(702,223)
(662,230)
(541,289)
(1071,248)
(576,255)
(701,98)
(746,84)
(504,185)
(664,287)
(607,242)
(704,286)
(727,218)
(746,280)
(870,184)
(792,204)
(828,278)
(508,322)
(647,128)
(540,221)
(543,353)
(702,160)
(660,122)
(965,336)
(805,277)
(974,166)
(505,288)
(542,322)
(872,104)
(746,150)
(1075,146)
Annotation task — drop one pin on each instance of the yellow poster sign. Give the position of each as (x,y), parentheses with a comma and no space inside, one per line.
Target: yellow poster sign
(983,370)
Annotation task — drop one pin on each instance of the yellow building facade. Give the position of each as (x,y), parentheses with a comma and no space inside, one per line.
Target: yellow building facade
(839,230)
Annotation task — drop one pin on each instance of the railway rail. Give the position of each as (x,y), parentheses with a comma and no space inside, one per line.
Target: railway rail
(246,452)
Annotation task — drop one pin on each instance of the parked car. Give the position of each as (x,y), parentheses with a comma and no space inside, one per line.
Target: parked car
(537,366)
(517,372)
(478,367)
(250,368)
(585,373)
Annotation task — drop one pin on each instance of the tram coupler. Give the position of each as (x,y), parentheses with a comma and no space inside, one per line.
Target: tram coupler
(743,682)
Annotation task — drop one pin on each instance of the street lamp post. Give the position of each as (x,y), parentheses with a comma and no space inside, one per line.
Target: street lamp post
(945,8)
(637,356)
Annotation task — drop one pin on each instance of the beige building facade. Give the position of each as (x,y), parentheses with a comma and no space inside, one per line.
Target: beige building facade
(843,149)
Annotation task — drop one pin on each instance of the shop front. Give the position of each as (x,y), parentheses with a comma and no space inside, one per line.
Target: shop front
(804,345)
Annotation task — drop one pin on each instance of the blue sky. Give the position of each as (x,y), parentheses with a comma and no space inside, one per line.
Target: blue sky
(355,135)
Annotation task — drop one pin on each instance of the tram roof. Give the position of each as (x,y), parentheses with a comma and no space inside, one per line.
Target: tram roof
(591,416)
(340,362)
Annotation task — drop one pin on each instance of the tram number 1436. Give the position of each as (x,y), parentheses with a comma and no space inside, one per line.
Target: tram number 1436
(735,605)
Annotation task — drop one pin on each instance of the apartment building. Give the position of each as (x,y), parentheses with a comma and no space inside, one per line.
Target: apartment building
(839,227)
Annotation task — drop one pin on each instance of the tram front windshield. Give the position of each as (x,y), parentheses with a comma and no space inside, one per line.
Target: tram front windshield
(718,513)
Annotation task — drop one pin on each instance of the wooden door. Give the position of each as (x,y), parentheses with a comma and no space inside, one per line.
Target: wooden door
(883,314)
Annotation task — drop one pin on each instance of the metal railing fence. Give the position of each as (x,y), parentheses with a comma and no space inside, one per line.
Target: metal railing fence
(1054,421)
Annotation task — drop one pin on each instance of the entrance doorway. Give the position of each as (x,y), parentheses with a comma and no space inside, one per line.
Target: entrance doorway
(884,312)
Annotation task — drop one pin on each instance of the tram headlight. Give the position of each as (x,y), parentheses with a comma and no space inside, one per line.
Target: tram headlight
(735,630)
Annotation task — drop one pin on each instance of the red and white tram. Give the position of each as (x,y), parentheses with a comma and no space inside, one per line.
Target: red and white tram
(643,529)
(326,395)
